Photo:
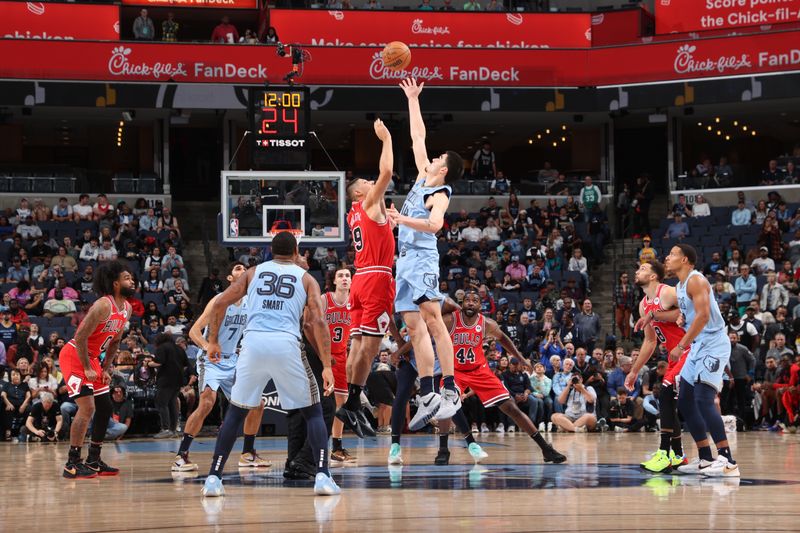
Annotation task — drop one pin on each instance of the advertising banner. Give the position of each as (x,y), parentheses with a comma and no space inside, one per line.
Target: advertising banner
(47,21)
(435,29)
(676,16)
(243,64)
(218,4)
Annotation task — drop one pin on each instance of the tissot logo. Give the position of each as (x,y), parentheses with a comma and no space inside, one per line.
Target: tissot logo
(37,8)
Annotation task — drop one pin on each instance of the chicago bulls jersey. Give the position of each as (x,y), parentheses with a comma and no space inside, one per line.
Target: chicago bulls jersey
(668,333)
(468,343)
(338,319)
(101,337)
(373,242)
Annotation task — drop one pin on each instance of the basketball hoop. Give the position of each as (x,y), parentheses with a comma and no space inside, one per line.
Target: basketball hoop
(298,233)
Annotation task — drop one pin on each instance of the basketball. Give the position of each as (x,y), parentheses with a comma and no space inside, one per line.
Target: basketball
(396,55)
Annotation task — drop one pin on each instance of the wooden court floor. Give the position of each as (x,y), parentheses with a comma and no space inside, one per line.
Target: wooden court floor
(599,489)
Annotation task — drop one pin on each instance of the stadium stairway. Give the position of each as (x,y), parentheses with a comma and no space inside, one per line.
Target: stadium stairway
(199,220)
(622,256)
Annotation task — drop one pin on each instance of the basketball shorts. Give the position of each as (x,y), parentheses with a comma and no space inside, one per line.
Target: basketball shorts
(339,373)
(371,299)
(671,377)
(417,279)
(74,376)
(488,388)
(216,376)
(707,359)
(266,356)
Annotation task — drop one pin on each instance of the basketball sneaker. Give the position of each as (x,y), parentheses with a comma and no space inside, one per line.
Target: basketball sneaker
(213,487)
(427,407)
(694,466)
(183,464)
(395,455)
(720,467)
(676,460)
(252,460)
(551,455)
(324,485)
(366,427)
(342,456)
(442,458)
(484,428)
(101,468)
(500,428)
(350,420)
(659,463)
(477,452)
(78,471)
(451,403)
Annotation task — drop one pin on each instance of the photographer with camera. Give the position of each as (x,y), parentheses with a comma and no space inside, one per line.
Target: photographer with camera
(622,413)
(44,421)
(579,402)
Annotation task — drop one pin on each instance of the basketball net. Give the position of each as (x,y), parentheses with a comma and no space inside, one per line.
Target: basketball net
(298,233)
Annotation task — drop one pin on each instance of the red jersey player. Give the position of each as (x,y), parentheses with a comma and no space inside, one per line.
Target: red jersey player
(87,380)
(659,315)
(372,291)
(337,315)
(468,329)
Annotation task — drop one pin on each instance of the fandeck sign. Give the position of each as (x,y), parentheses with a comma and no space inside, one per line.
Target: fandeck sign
(645,63)
(46,21)
(677,16)
(226,4)
(433,29)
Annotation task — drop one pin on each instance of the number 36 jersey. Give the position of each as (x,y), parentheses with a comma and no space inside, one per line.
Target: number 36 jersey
(276,298)
(468,343)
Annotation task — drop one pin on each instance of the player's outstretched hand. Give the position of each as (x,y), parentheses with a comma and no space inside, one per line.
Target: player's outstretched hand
(327,380)
(214,352)
(393,214)
(630,380)
(381,130)
(410,87)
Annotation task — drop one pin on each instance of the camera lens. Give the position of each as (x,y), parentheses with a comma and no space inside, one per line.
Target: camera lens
(575,380)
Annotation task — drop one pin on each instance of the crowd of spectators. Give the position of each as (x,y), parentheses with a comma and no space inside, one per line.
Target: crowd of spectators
(144,29)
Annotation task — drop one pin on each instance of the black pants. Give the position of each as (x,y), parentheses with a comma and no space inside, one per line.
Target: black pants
(297,446)
(739,393)
(166,403)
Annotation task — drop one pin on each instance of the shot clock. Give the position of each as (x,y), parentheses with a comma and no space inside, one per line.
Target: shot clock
(279,122)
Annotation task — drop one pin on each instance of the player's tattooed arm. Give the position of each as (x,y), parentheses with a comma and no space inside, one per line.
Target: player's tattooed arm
(493,330)
(111,351)
(96,315)
(316,319)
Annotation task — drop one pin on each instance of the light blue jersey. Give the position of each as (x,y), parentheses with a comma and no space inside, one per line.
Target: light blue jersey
(230,333)
(276,299)
(414,207)
(715,323)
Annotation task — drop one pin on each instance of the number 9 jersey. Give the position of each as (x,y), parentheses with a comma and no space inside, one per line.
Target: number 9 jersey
(668,334)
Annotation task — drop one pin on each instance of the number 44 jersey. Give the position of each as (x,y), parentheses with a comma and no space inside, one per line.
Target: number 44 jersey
(468,343)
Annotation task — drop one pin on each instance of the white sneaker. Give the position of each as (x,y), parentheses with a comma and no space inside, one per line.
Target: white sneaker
(720,468)
(484,428)
(549,427)
(252,460)
(183,464)
(618,429)
(694,466)
(427,407)
(542,427)
(474,429)
(512,429)
(500,428)
(580,429)
(451,403)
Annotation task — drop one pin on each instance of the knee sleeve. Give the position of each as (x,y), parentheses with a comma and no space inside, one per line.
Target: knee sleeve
(668,408)
(102,414)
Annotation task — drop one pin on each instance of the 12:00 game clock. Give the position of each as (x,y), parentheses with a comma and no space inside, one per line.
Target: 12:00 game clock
(279,122)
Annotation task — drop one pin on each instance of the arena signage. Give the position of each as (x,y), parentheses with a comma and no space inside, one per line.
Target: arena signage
(677,16)
(48,21)
(226,4)
(623,65)
(433,29)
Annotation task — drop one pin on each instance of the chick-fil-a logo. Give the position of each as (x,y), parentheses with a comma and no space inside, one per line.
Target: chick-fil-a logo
(120,65)
(378,71)
(418,26)
(686,63)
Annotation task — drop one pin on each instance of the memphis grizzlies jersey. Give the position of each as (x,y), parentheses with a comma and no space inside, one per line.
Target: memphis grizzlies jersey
(414,207)
(230,333)
(715,323)
(276,298)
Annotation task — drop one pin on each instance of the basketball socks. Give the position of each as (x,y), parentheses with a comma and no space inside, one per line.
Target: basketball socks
(449,382)
(337,444)
(74,454)
(677,445)
(185,444)
(443,441)
(353,402)
(665,441)
(469,438)
(249,444)
(538,439)
(425,385)
(725,451)
(94,452)
(395,439)
(705,453)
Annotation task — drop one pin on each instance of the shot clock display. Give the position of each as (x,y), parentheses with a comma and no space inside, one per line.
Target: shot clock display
(279,122)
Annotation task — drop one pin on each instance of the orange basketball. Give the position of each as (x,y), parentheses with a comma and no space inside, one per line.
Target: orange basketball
(396,55)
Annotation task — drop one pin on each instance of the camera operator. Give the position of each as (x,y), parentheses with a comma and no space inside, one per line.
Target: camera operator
(621,414)
(579,402)
(44,420)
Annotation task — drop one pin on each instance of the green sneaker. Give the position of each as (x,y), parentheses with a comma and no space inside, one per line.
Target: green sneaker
(477,452)
(395,456)
(677,461)
(659,463)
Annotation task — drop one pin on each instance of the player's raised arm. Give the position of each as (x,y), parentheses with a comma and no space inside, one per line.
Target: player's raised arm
(385,167)
(97,314)
(322,336)
(412,91)
(235,292)
(493,330)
